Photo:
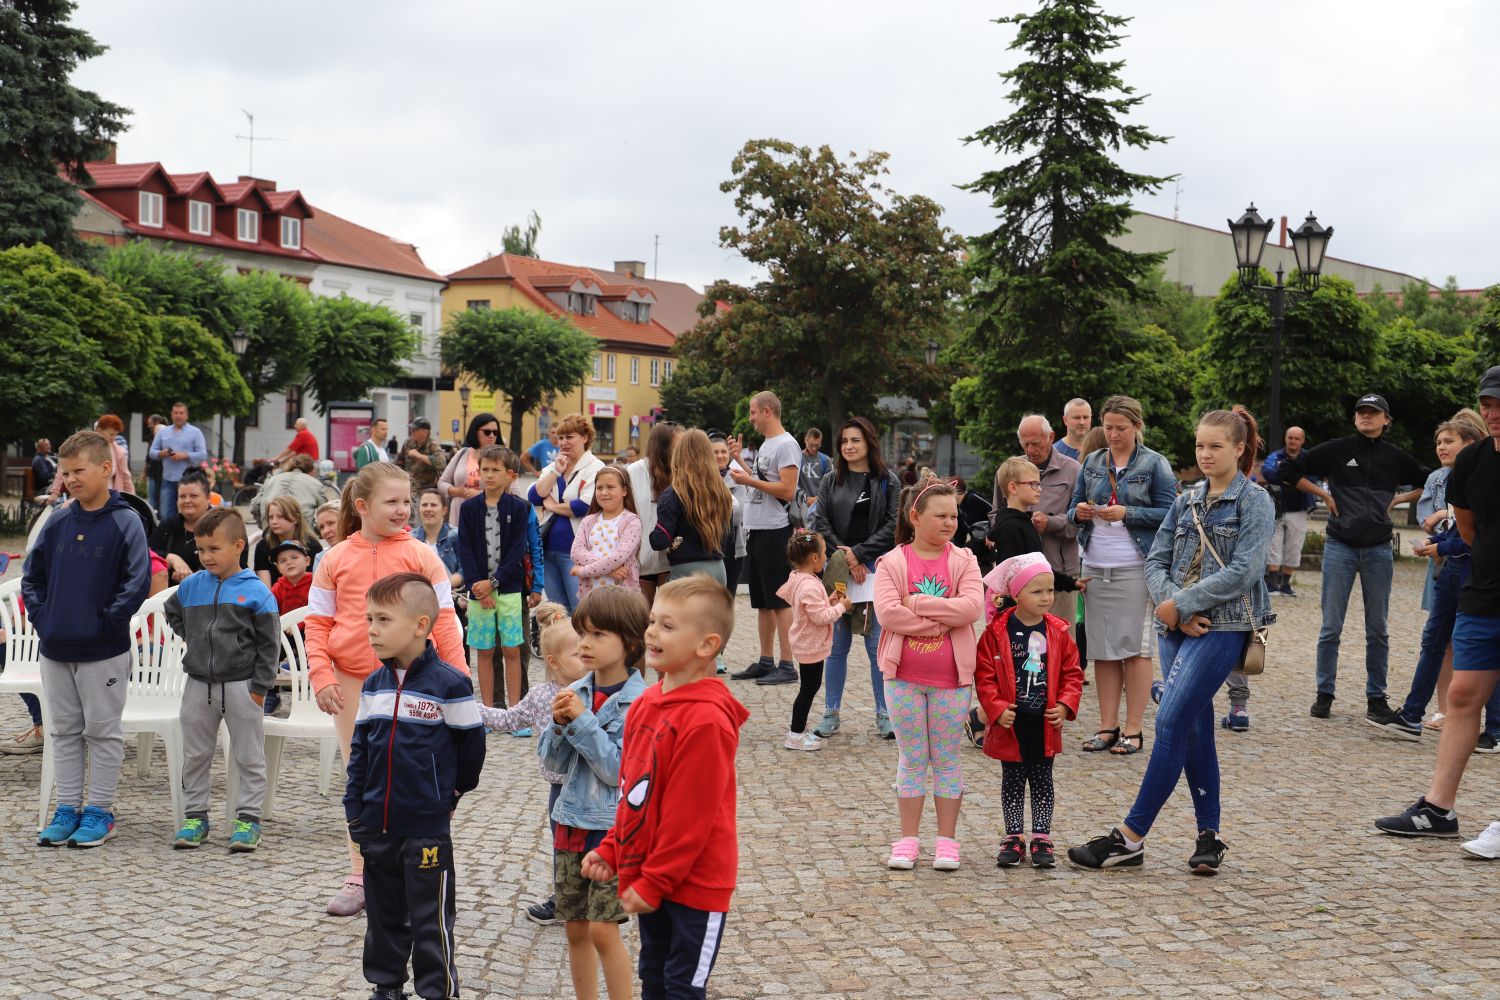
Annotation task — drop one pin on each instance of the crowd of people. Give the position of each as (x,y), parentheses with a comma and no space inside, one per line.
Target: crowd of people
(978,621)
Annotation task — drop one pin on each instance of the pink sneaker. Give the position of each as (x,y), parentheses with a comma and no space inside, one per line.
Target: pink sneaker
(945,855)
(349,900)
(904,854)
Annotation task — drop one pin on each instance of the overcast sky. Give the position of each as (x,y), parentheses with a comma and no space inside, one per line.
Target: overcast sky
(442,122)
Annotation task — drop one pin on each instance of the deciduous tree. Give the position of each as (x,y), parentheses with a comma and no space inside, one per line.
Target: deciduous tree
(277,316)
(355,347)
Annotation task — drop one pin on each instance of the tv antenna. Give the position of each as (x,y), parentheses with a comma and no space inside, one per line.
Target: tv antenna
(656,256)
(252,139)
(1177,198)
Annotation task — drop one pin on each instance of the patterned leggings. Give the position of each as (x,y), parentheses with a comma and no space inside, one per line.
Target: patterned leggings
(929,725)
(1034,769)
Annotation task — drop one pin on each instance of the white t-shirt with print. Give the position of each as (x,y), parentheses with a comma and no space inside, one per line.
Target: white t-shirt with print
(777,453)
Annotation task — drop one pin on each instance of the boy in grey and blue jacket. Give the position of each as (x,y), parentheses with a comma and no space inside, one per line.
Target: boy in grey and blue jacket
(232,629)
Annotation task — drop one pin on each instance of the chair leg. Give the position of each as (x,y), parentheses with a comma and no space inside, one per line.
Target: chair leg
(172,743)
(145,742)
(274,746)
(327,749)
(49,781)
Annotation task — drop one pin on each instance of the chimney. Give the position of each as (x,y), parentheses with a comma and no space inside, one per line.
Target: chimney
(109,154)
(1283,232)
(266,185)
(635,268)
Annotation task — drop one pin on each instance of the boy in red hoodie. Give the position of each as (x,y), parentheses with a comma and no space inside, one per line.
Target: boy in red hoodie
(674,844)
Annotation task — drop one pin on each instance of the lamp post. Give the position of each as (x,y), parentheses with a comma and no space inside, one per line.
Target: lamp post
(1309,245)
(930,355)
(238,342)
(463,398)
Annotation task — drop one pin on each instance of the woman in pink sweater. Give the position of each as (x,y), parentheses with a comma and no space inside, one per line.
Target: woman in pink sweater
(813,615)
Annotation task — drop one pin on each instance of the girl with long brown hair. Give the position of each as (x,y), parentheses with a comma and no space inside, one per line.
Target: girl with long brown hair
(693,515)
(649,476)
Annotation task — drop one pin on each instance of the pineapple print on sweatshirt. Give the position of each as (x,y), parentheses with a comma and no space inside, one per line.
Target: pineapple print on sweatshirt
(928,659)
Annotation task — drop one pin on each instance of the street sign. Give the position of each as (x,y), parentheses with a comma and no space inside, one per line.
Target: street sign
(455,425)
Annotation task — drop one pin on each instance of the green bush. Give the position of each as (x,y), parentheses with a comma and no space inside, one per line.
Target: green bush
(1312,544)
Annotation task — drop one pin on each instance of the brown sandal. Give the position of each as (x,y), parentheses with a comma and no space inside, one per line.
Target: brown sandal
(1099,742)
(1123,747)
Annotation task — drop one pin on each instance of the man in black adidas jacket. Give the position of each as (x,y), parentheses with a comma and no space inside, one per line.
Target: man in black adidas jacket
(1364,474)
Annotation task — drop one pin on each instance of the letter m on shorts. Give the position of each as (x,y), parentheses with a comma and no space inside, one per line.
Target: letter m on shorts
(429,858)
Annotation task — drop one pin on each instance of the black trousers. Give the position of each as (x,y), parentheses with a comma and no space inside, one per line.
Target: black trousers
(678,947)
(409,912)
(811,675)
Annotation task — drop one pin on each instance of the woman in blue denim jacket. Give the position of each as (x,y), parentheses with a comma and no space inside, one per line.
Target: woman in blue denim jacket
(1205,613)
(1122,493)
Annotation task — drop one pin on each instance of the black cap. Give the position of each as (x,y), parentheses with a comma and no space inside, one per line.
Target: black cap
(421,424)
(1489,385)
(1373,400)
(290,545)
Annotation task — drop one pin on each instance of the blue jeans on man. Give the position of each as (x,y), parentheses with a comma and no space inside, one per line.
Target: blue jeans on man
(1372,564)
(168,501)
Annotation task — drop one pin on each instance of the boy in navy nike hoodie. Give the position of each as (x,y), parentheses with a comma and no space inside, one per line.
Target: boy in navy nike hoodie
(418,746)
(229,621)
(87,576)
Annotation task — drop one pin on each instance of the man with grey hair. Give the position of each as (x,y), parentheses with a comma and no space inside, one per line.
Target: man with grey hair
(1049,517)
(1078,417)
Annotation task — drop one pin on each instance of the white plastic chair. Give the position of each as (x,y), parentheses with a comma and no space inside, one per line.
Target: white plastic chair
(153,701)
(23,675)
(304,721)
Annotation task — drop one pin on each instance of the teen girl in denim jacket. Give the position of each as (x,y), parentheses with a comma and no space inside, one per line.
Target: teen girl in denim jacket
(1205,612)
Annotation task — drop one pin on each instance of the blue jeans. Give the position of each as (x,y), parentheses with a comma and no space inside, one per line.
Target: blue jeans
(1436,635)
(1341,564)
(153,495)
(561,585)
(168,499)
(33,708)
(1185,727)
(836,666)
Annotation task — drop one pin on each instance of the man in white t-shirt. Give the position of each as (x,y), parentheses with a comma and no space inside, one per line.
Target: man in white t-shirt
(772,481)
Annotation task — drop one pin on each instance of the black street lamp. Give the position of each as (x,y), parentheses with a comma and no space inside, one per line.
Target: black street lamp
(930,352)
(463,398)
(1309,245)
(239,340)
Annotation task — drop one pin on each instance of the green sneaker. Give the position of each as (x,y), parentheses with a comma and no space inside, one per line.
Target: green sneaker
(193,833)
(246,837)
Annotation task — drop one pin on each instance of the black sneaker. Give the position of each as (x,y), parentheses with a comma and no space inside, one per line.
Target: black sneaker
(754,671)
(1287,591)
(1042,855)
(1486,744)
(1378,711)
(1421,820)
(784,673)
(974,729)
(1208,854)
(1398,727)
(543,913)
(1321,706)
(1012,852)
(394,993)
(1107,852)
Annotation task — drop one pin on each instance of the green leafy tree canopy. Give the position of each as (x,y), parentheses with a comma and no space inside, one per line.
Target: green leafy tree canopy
(356,346)
(277,316)
(522,242)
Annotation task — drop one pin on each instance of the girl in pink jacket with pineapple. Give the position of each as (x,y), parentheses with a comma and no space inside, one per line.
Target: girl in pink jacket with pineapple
(813,615)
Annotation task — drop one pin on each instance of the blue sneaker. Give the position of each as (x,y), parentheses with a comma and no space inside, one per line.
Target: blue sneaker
(193,833)
(246,837)
(64,822)
(98,825)
(1238,720)
(1158,688)
(523,734)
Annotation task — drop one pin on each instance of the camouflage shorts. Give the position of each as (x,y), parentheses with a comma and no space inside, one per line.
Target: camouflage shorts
(579,898)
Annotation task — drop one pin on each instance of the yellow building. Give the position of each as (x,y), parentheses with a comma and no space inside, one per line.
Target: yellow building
(620,395)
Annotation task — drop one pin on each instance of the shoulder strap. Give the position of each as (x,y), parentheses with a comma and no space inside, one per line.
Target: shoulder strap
(1249,609)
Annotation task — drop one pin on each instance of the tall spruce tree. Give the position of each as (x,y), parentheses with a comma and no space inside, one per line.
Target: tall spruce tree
(48,128)
(1045,322)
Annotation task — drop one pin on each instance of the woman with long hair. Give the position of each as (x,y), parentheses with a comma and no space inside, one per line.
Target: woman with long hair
(694,515)
(856,515)
(460,478)
(648,477)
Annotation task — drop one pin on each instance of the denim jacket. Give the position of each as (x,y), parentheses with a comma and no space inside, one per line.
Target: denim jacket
(587,751)
(1147,488)
(446,545)
(1239,525)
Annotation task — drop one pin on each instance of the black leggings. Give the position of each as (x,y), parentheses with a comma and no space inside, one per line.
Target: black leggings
(812,679)
(1034,769)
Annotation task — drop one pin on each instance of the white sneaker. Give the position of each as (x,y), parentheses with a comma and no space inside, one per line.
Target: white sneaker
(802,741)
(29,741)
(1487,845)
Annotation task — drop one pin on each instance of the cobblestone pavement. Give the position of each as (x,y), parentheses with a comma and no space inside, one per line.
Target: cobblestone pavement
(1311,901)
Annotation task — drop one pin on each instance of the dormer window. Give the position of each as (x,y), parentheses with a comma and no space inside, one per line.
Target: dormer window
(151,205)
(247,225)
(291,233)
(200,218)
(643,312)
(581,303)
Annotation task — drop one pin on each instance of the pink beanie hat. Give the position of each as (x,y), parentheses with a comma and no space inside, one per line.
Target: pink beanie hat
(1016,572)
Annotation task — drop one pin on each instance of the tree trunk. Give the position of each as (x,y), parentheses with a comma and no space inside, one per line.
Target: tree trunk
(833,396)
(518,411)
(239,443)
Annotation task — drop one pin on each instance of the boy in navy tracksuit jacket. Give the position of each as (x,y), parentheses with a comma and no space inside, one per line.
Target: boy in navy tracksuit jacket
(232,629)
(418,746)
(87,576)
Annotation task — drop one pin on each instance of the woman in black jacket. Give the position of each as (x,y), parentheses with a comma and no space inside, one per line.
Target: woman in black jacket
(856,515)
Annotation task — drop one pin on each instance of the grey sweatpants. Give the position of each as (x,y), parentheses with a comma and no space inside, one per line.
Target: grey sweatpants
(1239,689)
(203,706)
(85,701)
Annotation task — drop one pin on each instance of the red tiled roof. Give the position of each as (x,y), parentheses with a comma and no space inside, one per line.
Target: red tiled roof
(190,183)
(124,175)
(214,241)
(676,304)
(339,241)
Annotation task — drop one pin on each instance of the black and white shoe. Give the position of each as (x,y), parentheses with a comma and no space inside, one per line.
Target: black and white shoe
(1208,854)
(1321,706)
(1378,712)
(1486,744)
(1012,852)
(543,913)
(1109,851)
(1421,820)
(1398,727)
(393,993)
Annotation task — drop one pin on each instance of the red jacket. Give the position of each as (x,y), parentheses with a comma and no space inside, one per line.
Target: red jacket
(674,835)
(995,683)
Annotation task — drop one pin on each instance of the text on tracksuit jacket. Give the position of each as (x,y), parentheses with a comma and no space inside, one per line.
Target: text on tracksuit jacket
(674,831)
(418,746)
(995,683)
(232,629)
(88,574)
(1363,475)
(474,547)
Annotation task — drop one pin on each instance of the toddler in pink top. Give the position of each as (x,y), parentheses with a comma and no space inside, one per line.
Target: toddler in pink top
(813,615)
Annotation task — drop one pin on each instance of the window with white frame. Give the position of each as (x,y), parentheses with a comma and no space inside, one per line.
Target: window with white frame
(291,233)
(247,225)
(656,371)
(611,368)
(635,371)
(666,370)
(200,218)
(597,367)
(151,203)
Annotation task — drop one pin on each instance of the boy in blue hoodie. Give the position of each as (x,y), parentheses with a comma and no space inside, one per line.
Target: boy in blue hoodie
(230,623)
(87,576)
(418,747)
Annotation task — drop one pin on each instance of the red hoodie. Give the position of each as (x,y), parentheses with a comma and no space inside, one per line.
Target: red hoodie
(674,835)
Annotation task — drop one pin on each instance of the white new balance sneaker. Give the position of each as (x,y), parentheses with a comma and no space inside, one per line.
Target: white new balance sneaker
(1486,845)
(802,741)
